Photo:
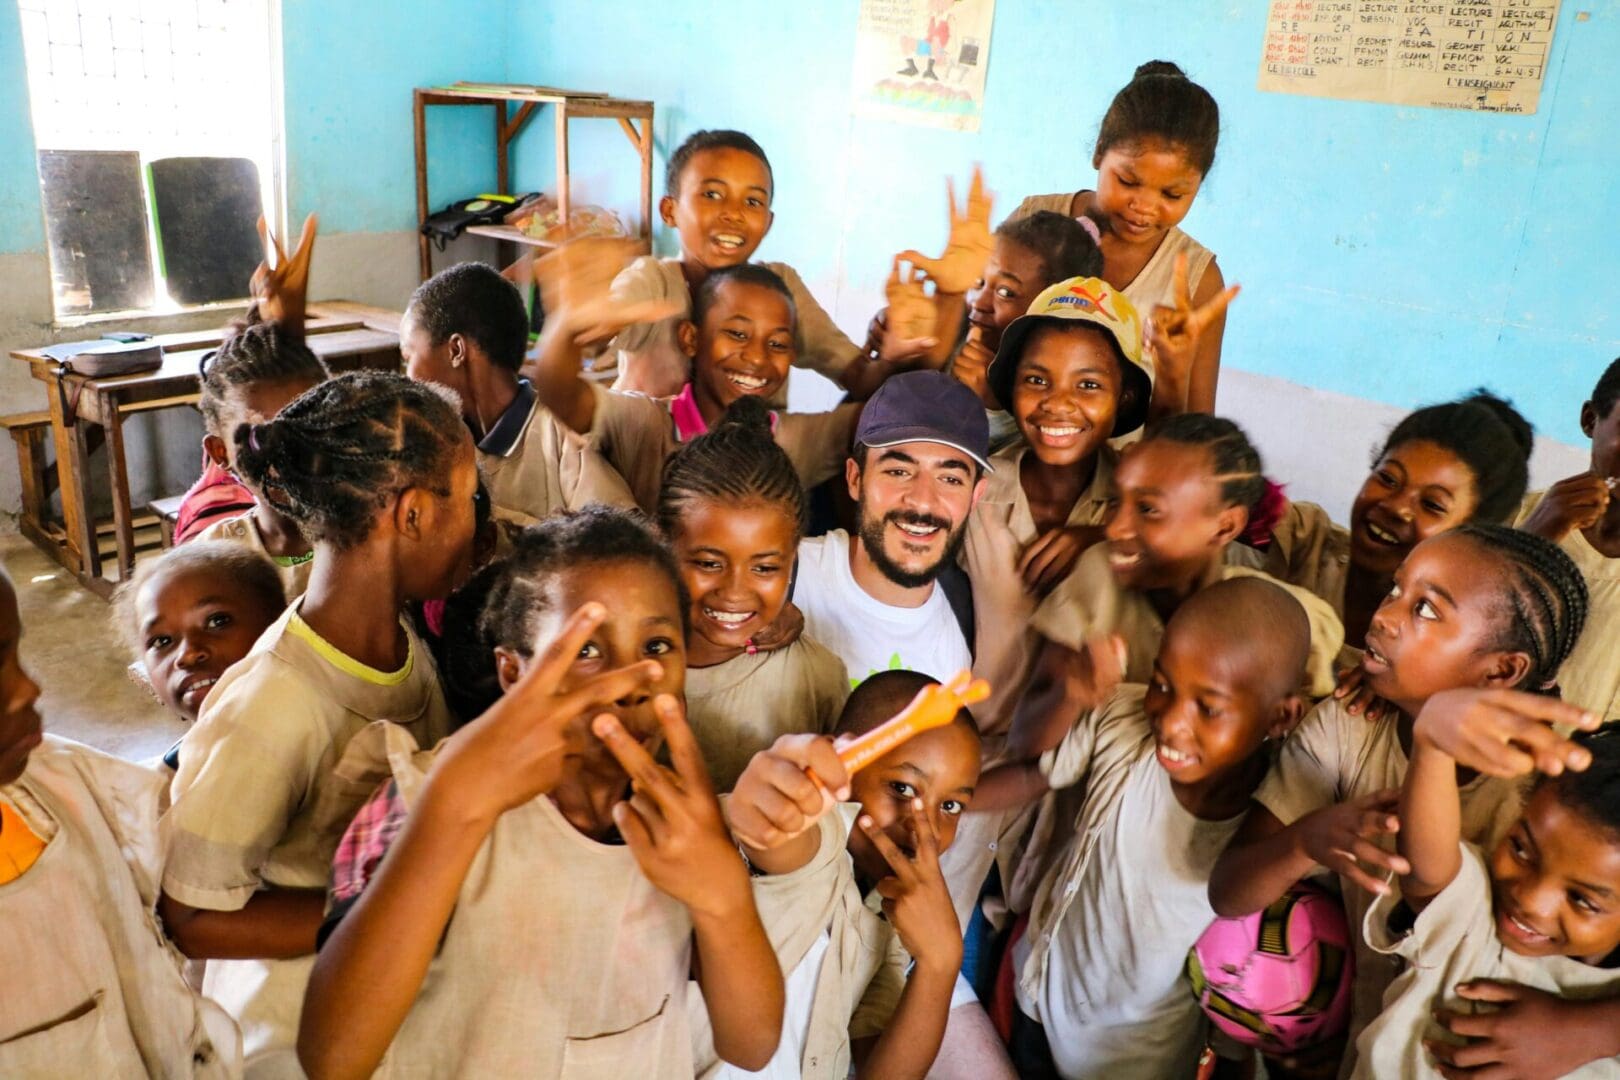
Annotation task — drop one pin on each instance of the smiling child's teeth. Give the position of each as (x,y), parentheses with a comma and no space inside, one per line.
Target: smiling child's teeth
(1059,432)
(747,382)
(730,618)
(1171,754)
(1381,535)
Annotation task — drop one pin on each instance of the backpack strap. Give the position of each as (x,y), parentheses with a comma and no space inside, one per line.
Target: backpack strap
(953,581)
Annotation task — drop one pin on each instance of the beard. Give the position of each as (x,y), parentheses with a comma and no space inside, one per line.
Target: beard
(872,538)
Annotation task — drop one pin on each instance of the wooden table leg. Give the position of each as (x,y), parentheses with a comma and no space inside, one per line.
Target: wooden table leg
(70,480)
(118,471)
(89,554)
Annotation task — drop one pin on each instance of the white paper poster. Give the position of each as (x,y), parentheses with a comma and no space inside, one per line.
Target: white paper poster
(923,61)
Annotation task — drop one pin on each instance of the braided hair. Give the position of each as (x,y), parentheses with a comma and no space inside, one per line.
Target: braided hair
(335,456)
(501,605)
(1545,597)
(1236,462)
(1488,434)
(1594,792)
(257,352)
(738,462)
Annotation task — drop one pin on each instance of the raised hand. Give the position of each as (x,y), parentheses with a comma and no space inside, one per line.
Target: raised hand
(972,367)
(281,284)
(1344,838)
(576,280)
(672,822)
(1173,332)
(915,899)
(968,249)
(776,798)
(1090,673)
(515,751)
(1053,554)
(910,315)
(1504,733)
(1576,502)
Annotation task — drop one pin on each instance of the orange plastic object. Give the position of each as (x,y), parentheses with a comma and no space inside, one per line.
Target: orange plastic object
(934,706)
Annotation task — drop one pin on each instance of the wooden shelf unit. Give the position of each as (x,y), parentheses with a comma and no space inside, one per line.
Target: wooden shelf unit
(566,105)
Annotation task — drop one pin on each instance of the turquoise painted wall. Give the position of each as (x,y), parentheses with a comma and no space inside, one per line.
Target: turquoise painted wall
(21,226)
(1395,254)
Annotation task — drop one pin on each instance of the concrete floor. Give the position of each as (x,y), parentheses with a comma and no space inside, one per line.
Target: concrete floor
(75,652)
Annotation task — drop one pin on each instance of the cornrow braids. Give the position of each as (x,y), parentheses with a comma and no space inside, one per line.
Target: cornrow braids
(501,605)
(1235,461)
(1594,792)
(337,454)
(258,352)
(738,462)
(1545,596)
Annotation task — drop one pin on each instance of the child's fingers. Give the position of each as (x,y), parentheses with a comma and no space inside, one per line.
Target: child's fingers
(1181,292)
(1545,710)
(1376,823)
(684,754)
(1375,883)
(632,830)
(645,773)
(650,813)
(1552,752)
(1213,308)
(950,199)
(306,241)
(892,855)
(927,839)
(556,658)
(1490,990)
(814,756)
(606,688)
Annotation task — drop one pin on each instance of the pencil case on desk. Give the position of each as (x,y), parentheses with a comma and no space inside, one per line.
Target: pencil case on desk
(104,358)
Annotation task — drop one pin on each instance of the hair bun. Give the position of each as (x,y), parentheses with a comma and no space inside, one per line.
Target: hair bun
(1524,434)
(1159,67)
(747,415)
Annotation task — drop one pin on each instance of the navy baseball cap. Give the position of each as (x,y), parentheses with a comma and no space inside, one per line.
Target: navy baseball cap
(926,406)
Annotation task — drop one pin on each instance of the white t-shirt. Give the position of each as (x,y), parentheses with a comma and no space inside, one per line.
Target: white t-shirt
(868,635)
(800,995)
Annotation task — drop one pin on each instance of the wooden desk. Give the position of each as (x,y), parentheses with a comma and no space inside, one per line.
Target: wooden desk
(345,335)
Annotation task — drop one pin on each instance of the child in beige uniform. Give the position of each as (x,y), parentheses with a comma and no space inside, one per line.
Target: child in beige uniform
(587,883)
(93,988)
(1441,466)
(740,341)
(1527,922)
(1580,515)
(1154,148)
(1167,771)
(823,882)
(262,795)
(733,510)
(1477,606)
(466,328)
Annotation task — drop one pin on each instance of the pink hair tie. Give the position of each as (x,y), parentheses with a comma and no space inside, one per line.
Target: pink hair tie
(1265,514)
(1091,228)
(253,438)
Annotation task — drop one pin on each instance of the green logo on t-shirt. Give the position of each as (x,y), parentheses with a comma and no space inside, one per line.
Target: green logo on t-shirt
(895,664)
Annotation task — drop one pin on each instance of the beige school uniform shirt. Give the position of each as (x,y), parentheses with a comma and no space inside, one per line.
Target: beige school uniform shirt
(1454,941)
(1334,757)
(742,706)
(548,468)
(561,959)
(1309,550)
(636,435)
(244,530)
(863,972)
(1101,965)
(650,356)
(93,988)
(1590,677)
(263,795)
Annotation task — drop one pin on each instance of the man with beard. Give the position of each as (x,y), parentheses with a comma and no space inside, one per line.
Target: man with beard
(886,598)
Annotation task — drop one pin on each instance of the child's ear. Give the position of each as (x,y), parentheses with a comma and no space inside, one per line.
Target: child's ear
(214,447)
(666,210)
(508,668)
(687,335)
(1230,523)
(411,513)
(460,350)
(1290,711)
(1508,670)
(1589,419)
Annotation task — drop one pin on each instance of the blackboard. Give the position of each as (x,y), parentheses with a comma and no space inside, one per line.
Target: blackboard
(207,213)
(95,225)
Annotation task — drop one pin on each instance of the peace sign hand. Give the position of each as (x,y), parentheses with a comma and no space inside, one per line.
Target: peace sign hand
(281,289)
(515,751)
(672,822)
(968,249)
(1173,333)
(915,898)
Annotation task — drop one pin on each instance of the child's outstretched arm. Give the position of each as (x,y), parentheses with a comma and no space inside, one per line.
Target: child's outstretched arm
(1066,683)
(673,825)
(775,805)
(575,281)
(276,924)
(1503,733)
(368,974)
(918,905)
(1266,857)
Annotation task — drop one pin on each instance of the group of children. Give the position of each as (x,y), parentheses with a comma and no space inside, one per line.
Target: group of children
(516,714)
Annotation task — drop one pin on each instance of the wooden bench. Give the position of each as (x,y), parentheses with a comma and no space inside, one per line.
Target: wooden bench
(168,513)
(32,432)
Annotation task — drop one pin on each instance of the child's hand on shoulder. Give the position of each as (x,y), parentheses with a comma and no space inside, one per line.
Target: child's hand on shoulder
(1504,733)
(1358,699)
(916,900)
(1052,555)
(1576,502)
(1525,1033)
(1344,839)
(785,791)
(515,751)
(672,821)
(1088,674)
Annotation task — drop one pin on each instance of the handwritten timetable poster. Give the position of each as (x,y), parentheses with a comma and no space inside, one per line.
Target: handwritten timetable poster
(1488,57)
